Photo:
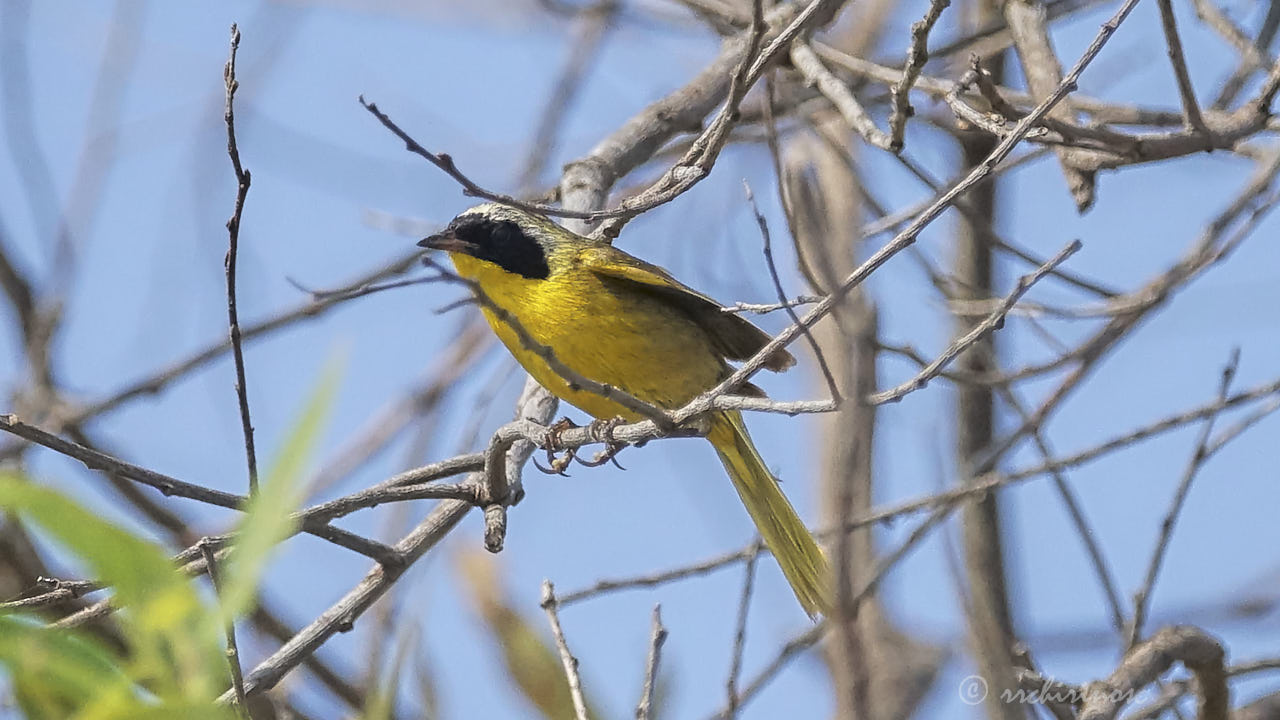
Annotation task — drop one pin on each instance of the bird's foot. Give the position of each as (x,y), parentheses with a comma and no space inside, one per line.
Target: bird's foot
(558,463)
(554,431)
(602,430)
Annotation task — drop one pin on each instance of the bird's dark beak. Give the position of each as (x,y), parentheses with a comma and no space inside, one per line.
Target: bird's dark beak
(448,242)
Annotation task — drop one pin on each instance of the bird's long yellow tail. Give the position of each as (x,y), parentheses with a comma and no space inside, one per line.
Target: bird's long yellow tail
(801,560)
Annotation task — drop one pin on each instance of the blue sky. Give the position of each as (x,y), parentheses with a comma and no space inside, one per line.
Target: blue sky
(148,289)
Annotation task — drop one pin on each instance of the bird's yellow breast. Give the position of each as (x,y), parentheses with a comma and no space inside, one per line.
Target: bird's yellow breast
(624,338)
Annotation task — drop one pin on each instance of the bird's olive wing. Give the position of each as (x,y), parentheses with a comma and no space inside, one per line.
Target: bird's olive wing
(733,336)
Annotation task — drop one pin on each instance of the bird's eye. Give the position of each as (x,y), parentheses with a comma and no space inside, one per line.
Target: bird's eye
(507,245)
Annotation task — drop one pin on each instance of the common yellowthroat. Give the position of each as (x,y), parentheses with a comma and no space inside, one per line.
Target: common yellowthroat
(620,321)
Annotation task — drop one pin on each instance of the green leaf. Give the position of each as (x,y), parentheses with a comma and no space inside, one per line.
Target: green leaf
(58,674)
(135,568)
(55,671)
(175,646)
(267,519)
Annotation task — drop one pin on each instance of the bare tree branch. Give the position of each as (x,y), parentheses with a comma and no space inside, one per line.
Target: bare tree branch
(233,232)
(1142,599)
(1200,653)
(740,635)
(549,604)
(1190,106)
(917,56)
(657,636)
(233,651)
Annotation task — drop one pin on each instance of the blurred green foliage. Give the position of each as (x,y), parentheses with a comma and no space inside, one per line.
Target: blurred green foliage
(174,664)
(174,660)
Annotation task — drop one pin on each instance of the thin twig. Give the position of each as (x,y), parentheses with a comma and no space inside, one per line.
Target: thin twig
(662,578)
(60,591)
(1093,148)
(1156,428)
(1251,57)
(815,73)
(657,636)
(740,634)
(766,308)
(1029,27)
(1236,429)
(992,322)
(1190,106)
(1142,599)
(233,651)
(233,233)
(790,651)
(570,662)
(832,386)
(95,460)
(350,293)
(416,484)
(793,229)
(22,296)
(917,56)
(697,161)
(1100,567)
(469,188)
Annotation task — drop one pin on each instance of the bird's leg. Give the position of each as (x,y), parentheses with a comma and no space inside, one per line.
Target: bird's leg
(602,430)
(553,445)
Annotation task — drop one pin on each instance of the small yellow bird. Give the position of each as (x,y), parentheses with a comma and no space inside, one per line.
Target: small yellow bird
(620,321)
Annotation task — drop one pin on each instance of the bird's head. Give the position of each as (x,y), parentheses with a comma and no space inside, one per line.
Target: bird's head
(516,241)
